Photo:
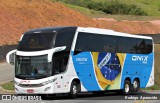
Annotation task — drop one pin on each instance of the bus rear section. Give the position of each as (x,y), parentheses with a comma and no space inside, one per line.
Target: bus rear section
(113,61)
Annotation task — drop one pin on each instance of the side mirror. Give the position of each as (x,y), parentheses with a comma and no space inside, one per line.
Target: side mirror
(10,57)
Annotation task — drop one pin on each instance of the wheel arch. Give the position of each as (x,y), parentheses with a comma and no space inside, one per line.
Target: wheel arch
(126,78)
(76,80)
(136,78)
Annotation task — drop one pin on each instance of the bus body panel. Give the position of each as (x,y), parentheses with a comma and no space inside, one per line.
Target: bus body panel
(89,72)
(137,65)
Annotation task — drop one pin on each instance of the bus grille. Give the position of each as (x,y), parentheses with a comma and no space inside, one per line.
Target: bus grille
(30,85)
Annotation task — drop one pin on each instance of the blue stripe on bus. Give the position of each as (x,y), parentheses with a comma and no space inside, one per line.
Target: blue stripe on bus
(137,65)
(83,65)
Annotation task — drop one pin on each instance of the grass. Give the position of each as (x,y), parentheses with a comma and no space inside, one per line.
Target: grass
(155,87)
(8,86)
(84,10)
(100,14)
(151,6)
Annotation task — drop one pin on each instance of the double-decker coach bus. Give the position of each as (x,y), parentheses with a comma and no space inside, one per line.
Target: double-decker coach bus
(77,59)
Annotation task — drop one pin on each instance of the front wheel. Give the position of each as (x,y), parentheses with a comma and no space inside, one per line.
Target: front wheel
(73,90)
(127,87)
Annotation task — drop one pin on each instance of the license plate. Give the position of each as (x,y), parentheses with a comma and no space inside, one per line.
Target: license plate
(30,91)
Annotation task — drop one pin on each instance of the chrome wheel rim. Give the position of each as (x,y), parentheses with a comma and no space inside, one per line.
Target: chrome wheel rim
(126,88)
(74,89)
(135,84)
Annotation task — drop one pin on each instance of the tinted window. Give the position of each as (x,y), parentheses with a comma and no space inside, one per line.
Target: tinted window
(64,39)
(95,42)
(36,42)
(122,45)
(59,61)
(144,46)
(126,45)
(107,43)
(149,46)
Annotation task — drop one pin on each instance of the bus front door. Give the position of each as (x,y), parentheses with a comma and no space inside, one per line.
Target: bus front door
(60,60)
(58,84)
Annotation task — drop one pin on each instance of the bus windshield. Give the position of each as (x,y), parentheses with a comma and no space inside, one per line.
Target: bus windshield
(35,67)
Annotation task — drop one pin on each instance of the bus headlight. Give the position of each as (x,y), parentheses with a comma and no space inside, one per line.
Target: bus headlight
(16,83)
(49,81)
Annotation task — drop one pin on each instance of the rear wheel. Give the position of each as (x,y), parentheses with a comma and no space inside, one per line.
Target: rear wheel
(136,85)
(73,90)
(127,87)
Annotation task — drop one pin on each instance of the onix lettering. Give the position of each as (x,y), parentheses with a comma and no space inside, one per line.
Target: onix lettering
(142,59)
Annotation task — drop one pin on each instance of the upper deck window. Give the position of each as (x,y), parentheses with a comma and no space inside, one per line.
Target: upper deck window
(36,42)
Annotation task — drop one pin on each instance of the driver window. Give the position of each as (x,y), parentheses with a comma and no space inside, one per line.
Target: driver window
(59,62)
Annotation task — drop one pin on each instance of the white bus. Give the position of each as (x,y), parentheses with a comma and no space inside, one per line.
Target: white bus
(77,59)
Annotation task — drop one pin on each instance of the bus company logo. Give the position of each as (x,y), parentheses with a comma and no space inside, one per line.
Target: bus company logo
(81,59)
(33,41)
(25,81)
(142,59)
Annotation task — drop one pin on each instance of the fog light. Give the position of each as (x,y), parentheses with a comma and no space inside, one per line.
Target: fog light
(46,89)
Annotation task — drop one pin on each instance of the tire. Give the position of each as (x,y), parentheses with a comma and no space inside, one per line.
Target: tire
(73,90)
(136,85)
(127,87)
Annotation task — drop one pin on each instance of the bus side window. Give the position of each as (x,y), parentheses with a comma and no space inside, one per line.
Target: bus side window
(149,46)
(122,45)
(141,46)
(109,43)
(132,46)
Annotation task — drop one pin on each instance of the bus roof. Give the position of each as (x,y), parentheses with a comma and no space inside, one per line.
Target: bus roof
(51,29)
(109,32)
(85,29)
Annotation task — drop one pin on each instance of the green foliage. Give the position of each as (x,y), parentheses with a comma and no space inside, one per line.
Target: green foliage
(110,7)
(154,87)
(115,7)
(8,86)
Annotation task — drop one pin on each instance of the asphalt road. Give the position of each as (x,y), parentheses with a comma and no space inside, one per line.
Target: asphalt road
(90,98)
(6,72)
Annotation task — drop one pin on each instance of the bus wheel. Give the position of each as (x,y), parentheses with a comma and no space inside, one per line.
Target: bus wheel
(127,87)
(136,85)
(73,90)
